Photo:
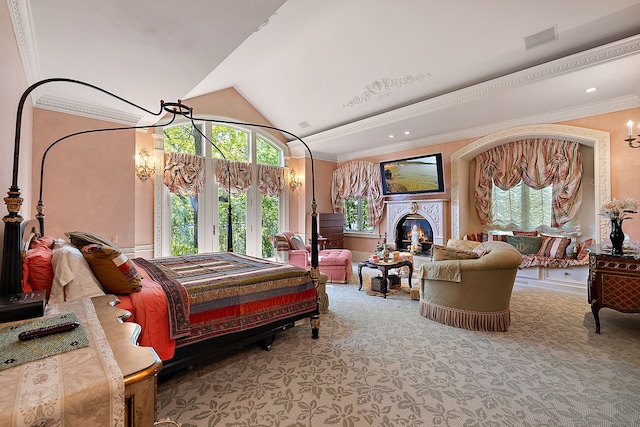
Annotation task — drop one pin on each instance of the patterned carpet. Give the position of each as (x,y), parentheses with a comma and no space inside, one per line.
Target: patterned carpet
(378,363)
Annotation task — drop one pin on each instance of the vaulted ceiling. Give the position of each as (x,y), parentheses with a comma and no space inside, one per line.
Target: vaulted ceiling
(342,74)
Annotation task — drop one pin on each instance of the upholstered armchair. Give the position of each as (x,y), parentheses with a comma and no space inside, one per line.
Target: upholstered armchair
(471,293)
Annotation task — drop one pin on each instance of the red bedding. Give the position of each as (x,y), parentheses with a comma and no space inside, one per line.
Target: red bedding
(192,298)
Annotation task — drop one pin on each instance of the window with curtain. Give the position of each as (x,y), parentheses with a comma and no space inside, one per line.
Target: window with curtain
(529,183)
(358,180)
(520,208)
(255,165)
(356,215)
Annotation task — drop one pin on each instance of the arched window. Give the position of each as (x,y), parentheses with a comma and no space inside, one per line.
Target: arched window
(198,223)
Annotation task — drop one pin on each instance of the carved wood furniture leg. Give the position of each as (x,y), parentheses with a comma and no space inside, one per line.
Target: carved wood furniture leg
(595,308)
(383,286)
(410,272)
(360,265)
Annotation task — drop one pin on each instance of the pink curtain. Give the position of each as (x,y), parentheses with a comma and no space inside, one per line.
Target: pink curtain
(359,179)
(270,180)
(183,173)
(239,172)
(538,163)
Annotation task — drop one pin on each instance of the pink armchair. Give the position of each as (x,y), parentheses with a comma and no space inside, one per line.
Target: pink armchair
(291,249)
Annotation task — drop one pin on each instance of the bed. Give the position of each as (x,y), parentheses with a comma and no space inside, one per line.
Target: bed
(201,319)
(190,307)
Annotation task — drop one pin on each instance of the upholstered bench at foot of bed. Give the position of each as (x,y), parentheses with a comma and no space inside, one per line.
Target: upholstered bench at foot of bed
(336,264)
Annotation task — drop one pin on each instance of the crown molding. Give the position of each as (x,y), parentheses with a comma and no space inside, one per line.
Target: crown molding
(87,110)
(572,63)
(20,14)
(587,110)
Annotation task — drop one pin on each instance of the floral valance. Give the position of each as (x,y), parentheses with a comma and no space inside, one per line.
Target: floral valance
(359,179)
(270,180)
(538,163)
(183,173)
(238,172)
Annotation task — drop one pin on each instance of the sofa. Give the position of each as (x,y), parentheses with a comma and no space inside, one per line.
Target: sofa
(471,292)
(291,249)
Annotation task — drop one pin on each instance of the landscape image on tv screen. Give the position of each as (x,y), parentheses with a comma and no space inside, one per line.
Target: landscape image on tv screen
(413,175)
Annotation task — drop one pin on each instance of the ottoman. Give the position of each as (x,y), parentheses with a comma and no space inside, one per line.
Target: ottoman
(336,264)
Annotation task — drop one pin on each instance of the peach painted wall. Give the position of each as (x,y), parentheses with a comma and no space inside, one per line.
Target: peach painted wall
(368,244)
(625,167)
(230,104)
(625,161)
(89,180)
(144,195)
(12,85)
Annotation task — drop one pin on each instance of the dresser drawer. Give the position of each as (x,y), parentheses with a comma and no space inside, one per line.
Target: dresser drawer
(571,274)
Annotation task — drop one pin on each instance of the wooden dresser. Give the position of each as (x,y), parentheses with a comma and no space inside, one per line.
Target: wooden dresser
(614,282)
(331,227)
(139,365)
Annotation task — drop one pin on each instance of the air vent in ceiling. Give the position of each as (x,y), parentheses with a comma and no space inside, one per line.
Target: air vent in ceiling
(542,37)
(304,124)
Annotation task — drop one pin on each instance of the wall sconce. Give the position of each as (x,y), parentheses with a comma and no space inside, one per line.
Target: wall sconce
(631,139)
(294,180)
(143,171)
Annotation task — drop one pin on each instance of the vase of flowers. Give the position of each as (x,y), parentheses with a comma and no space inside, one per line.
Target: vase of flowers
(617,211)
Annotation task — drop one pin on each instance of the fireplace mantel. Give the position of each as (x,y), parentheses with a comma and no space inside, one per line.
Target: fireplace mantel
(433,210)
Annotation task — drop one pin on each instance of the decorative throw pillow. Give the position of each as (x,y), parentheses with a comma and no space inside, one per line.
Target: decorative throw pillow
(479,250)
(525,233)
(553,247)
(525,244)
(443,253)
(82,238)
(583,252)
(463,245)
(297,243)
(476,237)
(492,237)
(112,268)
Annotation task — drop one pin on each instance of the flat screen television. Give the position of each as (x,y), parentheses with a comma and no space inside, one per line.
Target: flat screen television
(422,174)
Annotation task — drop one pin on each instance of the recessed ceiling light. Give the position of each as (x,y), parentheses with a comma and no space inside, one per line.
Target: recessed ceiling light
(591,89)
(392,136)
(406,132)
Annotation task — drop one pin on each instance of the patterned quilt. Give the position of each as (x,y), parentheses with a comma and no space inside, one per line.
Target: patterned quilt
(217,293)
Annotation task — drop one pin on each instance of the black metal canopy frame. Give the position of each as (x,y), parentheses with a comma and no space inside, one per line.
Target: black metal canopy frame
(11,274)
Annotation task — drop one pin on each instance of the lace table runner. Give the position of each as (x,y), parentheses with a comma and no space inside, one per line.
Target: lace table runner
(80,387)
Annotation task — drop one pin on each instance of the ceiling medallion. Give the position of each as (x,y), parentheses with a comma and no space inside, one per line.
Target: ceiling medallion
(380,89)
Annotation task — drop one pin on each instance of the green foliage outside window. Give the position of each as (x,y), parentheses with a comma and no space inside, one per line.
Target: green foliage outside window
(184,209)
(356,215)
(234,144)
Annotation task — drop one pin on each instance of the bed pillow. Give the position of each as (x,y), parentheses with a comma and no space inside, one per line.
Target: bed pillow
(443,253)
(82,238)
(37,271)
(115,272)
(553,247)
(525,244)
(72,276)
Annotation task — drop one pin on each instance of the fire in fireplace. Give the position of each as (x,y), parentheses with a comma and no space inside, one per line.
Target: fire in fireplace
(405,239)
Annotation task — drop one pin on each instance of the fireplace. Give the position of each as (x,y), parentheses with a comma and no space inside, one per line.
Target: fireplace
(414,234)
(427,215)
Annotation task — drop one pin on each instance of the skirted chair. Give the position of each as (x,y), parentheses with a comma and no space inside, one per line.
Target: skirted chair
(471,293)
(335,263)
